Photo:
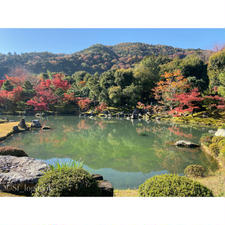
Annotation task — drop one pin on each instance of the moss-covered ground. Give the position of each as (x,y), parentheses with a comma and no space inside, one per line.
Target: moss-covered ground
(6,129)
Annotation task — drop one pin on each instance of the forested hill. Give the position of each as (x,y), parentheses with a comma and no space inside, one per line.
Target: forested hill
(97,58)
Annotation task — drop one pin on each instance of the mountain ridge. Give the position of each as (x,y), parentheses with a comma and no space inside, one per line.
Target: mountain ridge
(96,58)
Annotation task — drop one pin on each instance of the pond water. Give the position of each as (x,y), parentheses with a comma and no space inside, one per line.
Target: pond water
(126,153)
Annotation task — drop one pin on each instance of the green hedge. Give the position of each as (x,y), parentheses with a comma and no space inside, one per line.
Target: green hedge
(194,171)
(173,186)
(66,182)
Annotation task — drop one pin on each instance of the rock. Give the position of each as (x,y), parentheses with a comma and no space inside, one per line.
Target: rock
(13,151)
(39,114)
(135,114)
(19,175)
(97,176)
(186,144)
(15,129)
(106,188)
(46,128)
(22,124)
(212,131)
(105,112)
(220,133)
(36,124)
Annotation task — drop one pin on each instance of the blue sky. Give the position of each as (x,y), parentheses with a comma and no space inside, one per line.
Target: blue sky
(72,40)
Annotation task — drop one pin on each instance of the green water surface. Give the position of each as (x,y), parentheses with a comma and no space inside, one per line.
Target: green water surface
(126,153)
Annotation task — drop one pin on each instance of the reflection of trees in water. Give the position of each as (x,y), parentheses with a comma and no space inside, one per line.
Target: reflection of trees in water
(112,144)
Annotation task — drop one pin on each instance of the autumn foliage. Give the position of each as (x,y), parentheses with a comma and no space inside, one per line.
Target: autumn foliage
(41,97)
(171,84)
(186,102)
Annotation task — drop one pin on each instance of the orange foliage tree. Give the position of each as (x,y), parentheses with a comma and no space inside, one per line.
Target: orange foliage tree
(170,84)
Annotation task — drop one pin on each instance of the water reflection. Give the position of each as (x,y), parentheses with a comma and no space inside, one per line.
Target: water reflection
(115,148)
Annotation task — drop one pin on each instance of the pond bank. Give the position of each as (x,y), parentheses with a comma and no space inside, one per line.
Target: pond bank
(8,128)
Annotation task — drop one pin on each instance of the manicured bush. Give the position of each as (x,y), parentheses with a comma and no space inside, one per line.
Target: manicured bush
(66,182)
(194,171)
(217,139)
(206,139)
(214,149)
(169,185)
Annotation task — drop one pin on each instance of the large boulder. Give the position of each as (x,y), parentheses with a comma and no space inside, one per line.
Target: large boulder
(186,144)
(13,151)
(19,175)
(106,188)
(220,133)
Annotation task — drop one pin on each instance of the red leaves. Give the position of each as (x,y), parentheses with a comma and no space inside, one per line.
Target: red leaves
(143,106)
(13,95)
(69,97)
(101,107)
(39,103)
(214,101)
(83,103)
(59,82)
(187,102)
(169,85)
(16,81)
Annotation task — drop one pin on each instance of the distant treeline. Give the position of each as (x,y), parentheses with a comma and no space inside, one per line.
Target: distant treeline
(97,58)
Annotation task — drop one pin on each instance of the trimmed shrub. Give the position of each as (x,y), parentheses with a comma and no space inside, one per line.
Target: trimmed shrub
(206,139)
(217,139)
(214,149)
(194,171)
(66,182)
(169,185)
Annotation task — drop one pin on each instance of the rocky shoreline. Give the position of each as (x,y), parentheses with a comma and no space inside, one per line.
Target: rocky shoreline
(19,173)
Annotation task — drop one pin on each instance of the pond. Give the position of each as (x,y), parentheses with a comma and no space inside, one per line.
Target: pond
(126,153)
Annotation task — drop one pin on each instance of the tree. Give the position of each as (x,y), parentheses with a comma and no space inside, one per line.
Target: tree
(146,74)
(28,91)
(123,77)
(115,95)
(1,83)
(192,67)
(94,86)
(186,102)
(83,103)
(7,86)
(171,84)
(132,94)
(216,66)
(221,87)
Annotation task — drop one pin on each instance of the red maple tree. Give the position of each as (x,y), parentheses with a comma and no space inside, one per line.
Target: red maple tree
(186,102)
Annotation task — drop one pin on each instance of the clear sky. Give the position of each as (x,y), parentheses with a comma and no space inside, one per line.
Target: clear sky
(72,40)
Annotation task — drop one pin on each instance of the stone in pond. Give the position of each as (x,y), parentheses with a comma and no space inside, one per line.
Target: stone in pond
(220,133)
(22,124)
(186,144)
(36,124)
(13,151)
(46,128)
(97,176)
(15,129)
(19,175)
(106,188)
